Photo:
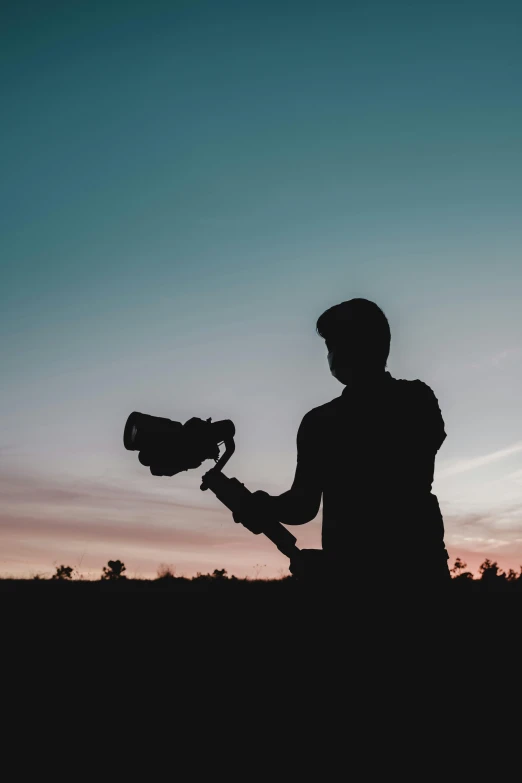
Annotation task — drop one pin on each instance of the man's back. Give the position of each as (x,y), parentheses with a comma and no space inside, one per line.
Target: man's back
(372,455)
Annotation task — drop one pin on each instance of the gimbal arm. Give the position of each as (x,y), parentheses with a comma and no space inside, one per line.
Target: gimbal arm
(230,492)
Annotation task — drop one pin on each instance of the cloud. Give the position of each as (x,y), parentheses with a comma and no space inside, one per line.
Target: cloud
(496,359)
(43,519)
(114,532)
(463,465)
(37,505)
(495,533)
(516,476)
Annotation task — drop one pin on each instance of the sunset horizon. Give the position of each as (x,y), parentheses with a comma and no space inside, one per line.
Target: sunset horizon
(187,187)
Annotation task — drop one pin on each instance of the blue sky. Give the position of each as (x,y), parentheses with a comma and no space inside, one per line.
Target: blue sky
(186,186)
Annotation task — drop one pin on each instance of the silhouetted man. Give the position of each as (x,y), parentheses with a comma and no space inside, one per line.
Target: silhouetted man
(370,455)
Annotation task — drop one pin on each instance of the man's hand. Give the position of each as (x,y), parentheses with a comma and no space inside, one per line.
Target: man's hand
(255,510)
(163,464)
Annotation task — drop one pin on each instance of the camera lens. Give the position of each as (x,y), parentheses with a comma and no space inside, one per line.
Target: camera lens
(150,432)
(130,433)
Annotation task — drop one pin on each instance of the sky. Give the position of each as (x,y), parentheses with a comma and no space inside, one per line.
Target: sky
(186,187)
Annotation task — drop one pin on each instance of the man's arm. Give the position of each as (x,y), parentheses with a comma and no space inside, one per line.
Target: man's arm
(301,503)
(432,426)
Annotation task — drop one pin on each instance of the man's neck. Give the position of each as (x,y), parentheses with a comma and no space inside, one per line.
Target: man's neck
(367,383)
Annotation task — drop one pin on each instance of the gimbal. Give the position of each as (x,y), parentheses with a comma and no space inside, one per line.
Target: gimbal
(169,447)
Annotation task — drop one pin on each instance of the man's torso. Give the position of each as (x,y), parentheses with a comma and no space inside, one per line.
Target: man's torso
(375,460)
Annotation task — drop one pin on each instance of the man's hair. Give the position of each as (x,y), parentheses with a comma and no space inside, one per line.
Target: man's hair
(357,321)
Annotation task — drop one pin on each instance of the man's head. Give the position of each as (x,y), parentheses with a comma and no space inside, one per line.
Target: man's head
(357,336)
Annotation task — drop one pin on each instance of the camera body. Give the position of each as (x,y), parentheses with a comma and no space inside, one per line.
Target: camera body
(168,447)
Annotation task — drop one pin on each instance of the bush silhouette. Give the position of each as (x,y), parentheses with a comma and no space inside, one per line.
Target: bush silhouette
(113,570)
(490,578)
(63,572)
(166,571)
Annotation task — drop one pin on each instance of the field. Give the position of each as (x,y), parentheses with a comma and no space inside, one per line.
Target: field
(220,582)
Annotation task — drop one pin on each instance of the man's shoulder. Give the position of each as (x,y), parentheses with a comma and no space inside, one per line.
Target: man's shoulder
(316,421)
(324,411)
(401,387)
(407,383)
(415,387)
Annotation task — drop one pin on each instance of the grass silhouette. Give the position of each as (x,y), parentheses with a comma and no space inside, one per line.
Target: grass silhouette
(491,578)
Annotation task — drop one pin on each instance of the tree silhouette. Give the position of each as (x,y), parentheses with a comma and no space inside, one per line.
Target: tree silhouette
(489,569)
(63,572)
(114,570)
(458,567)
(492,577)
(462,578)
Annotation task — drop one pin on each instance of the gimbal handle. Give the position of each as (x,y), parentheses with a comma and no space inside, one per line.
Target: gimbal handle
(230,492)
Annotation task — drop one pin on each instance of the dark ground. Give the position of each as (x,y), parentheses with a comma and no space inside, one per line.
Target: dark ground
(209,583)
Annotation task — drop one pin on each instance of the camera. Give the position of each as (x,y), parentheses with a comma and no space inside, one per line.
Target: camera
(168,447)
